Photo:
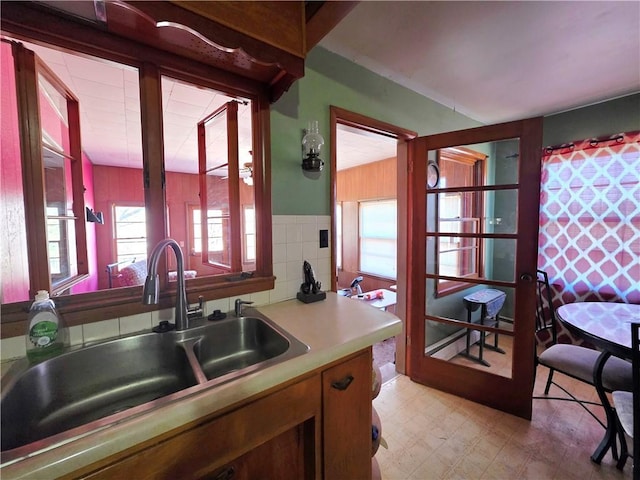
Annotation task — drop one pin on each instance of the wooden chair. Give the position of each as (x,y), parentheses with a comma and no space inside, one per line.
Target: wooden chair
(627,407)
(573,360)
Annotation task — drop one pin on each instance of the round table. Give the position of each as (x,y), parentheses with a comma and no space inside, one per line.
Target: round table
(607,326)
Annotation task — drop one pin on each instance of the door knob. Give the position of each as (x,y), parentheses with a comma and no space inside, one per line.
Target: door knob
(526,277)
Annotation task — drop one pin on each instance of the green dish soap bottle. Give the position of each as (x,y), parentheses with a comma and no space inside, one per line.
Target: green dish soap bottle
(47,334)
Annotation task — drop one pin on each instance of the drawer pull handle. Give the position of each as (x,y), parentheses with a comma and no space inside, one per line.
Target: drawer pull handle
(342,384)
(226,474)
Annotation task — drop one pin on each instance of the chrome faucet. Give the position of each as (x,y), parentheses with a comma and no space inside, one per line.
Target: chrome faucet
(239,304)
(150,292)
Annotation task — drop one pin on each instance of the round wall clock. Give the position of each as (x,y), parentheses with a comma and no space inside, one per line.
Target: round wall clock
(433,175)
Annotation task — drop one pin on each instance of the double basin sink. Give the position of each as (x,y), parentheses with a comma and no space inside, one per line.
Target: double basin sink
(89,388)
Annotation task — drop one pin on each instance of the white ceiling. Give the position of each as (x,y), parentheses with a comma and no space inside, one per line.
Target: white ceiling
(356,147)
(498,61)
(109,99)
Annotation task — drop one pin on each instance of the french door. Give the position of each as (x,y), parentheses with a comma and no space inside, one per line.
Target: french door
(473,225)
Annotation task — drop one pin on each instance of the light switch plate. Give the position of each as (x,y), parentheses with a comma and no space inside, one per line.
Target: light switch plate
(324,238)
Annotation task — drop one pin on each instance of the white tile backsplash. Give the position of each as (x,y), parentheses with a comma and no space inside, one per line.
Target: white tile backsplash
(325,253)
(222,304)
(284,219)
(294,233)
(310,233)
(324,222)
(294,252)
(279,233)
(294,272)
(260,299)
(75,336)
(280,271)
(158,316)
(14,347)
(93,332)
(135,323)
(295,238)
(280,253)
(310,251)
(309,219)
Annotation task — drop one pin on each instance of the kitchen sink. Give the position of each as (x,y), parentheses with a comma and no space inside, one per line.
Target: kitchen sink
(90,383)
(88,388)
(238,345)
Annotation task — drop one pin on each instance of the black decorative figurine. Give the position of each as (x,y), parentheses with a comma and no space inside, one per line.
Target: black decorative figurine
(310,289)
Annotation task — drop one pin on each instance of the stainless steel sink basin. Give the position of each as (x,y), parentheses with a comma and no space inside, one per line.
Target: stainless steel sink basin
(239,344)
(84,385)
(93,387)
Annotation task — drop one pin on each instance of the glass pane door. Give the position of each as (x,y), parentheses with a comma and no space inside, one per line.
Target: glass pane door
(474,223)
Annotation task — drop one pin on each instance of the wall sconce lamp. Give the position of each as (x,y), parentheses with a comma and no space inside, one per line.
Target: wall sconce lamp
(312,143)
(95,217)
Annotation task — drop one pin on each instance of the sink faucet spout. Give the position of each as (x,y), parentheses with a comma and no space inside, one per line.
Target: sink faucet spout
(151,287)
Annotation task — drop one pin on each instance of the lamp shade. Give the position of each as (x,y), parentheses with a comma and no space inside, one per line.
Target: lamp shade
(312,144)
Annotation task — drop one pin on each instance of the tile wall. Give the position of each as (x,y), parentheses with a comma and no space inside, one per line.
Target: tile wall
(295,239)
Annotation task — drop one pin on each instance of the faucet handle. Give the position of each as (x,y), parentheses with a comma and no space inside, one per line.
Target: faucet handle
(196,311)
(238,306)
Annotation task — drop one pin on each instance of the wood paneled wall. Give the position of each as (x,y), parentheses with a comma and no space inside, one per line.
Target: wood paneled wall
(125,186)
(113,185)
(374,181)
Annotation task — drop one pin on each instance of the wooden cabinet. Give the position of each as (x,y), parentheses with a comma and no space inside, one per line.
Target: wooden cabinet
(242,441)
(280,458)
(316,427)
(346,421)
(280,24)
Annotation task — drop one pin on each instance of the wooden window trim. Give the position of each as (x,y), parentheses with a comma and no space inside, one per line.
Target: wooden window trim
(28,67)
(477,160)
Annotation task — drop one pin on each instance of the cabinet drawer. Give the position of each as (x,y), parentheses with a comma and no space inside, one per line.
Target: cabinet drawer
(346,423)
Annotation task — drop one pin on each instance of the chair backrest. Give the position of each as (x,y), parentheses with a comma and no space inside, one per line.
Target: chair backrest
(545,312)
(134,274)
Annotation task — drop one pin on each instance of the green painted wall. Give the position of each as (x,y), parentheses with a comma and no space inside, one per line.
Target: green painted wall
(607,118)
(332,80)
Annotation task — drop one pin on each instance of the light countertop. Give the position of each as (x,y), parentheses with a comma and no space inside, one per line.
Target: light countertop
(332,328)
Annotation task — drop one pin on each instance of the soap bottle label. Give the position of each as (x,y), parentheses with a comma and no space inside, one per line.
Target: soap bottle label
(44,329)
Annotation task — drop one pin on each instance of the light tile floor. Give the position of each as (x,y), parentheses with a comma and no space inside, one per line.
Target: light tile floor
(435,435)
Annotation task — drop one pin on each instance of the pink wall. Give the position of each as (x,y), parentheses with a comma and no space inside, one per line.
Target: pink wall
(13,237)
(91,284)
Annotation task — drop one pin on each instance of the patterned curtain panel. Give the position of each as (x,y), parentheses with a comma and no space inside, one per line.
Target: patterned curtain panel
(589,240)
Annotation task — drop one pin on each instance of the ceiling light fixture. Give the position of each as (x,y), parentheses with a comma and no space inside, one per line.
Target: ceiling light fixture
(246,172)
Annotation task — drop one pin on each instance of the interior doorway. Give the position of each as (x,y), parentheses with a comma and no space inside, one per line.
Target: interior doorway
(368,209)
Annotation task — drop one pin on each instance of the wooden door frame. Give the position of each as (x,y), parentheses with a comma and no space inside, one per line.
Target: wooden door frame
(479,386)
(345,117)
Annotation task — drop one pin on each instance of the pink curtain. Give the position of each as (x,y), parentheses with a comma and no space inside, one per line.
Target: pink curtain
(589,240)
